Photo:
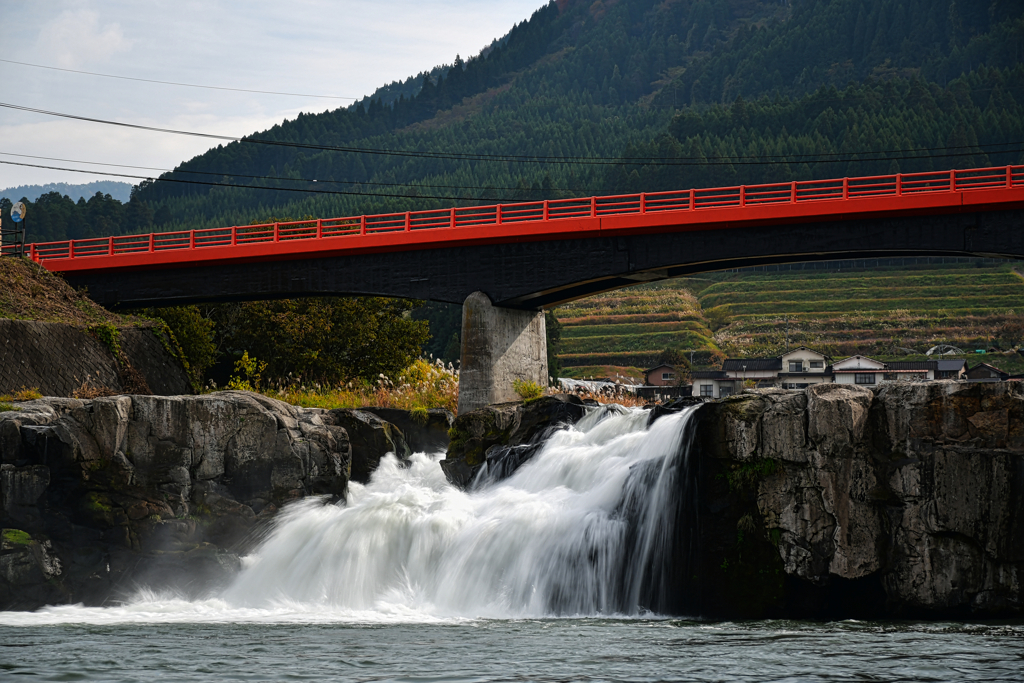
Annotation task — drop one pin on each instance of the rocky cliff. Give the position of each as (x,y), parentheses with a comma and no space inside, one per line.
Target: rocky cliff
(834,502)
(840,501)
(99,497)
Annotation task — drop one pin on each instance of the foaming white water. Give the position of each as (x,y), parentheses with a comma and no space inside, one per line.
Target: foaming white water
(577,530)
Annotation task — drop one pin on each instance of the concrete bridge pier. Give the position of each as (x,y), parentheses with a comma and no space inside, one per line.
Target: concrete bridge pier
(499,346)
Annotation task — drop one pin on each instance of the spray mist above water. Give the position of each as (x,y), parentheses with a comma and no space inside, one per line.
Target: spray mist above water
(584,528)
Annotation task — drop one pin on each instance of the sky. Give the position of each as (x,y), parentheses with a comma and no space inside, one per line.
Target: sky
(339,48)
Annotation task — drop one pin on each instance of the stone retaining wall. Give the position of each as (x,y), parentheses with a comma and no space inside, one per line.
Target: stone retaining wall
(57,359)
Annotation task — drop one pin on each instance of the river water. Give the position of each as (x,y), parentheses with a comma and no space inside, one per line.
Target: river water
(551,574)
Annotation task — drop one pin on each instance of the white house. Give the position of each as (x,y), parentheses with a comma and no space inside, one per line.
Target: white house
(796,369)
(859,370)
(870,372)
(803,367)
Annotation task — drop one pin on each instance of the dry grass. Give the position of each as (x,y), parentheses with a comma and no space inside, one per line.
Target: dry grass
(30,292)
(89,391)
(421,385)
(23,394)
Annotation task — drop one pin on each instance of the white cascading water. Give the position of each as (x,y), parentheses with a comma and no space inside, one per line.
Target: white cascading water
(585,527)
(577,530)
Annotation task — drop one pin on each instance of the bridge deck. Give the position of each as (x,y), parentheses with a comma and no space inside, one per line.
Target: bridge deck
(802,201)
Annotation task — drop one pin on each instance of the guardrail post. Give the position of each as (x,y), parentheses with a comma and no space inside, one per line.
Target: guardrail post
(319,228)
(277,232)
(234,235)
(899,184)
(593,207)
(408,221)
(545,209)
(846,188)
(693,199)
(152,243)
(191,239)
(743,195)
(792,192)
(497,214)
(451,220)
(952,180)
(362,225)
(71,249)
(643,202)
(32,252)
(1009,176)
(110,246)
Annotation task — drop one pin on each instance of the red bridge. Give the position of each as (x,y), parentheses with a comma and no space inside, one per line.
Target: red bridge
(532,255)
(571,226)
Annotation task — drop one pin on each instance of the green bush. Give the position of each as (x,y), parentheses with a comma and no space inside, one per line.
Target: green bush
(527,389)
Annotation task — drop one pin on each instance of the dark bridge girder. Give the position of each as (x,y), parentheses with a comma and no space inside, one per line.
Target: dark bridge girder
(533,274)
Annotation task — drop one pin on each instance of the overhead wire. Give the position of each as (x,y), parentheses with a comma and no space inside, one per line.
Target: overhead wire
(270,177)
(738,160)
(258,187)
(184,85)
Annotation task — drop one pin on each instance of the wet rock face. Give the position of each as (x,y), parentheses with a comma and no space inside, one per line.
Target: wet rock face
(97,497)
(915,489)
(505,435)
(371,437)
(425,431)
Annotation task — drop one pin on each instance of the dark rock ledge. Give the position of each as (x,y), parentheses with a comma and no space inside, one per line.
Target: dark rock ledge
(101,496)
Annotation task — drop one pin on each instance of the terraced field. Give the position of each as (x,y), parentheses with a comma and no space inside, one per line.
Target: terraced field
(883,312)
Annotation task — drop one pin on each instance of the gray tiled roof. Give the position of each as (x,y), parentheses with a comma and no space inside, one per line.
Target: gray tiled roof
(708,374)
(752,364)
(913,365)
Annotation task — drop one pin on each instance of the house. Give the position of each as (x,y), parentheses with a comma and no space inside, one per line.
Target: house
(861,370)
(803,367)
(906,371)
(661,376)
(951,369)
(796,369)
(712,384)
(983,372)
(869,372)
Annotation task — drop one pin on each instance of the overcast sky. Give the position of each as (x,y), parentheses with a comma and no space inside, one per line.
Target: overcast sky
(342,48)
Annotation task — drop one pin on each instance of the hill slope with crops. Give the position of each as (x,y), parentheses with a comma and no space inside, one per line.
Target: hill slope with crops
(883,311)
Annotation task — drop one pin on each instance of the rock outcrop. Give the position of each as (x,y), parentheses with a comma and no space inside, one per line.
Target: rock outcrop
(501,437)
(98,497)
(842,501)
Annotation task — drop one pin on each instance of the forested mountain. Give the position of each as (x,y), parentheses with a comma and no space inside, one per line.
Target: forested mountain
(718,91)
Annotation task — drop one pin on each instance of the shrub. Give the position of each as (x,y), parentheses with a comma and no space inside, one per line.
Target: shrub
(109,335)
(30,394)
(252,369)
(527,389)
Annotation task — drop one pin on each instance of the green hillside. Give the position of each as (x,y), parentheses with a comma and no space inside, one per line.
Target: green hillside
(887,311)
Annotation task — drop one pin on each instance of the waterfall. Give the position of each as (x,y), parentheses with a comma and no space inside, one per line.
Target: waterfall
(589,525)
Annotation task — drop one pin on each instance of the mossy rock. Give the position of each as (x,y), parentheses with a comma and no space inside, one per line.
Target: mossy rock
(13,538)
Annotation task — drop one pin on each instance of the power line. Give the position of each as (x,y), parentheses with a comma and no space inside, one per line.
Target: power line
(749,160)
(256,187)
(184,85)
(270,177)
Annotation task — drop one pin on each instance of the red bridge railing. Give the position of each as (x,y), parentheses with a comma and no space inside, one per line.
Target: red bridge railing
(798,192)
